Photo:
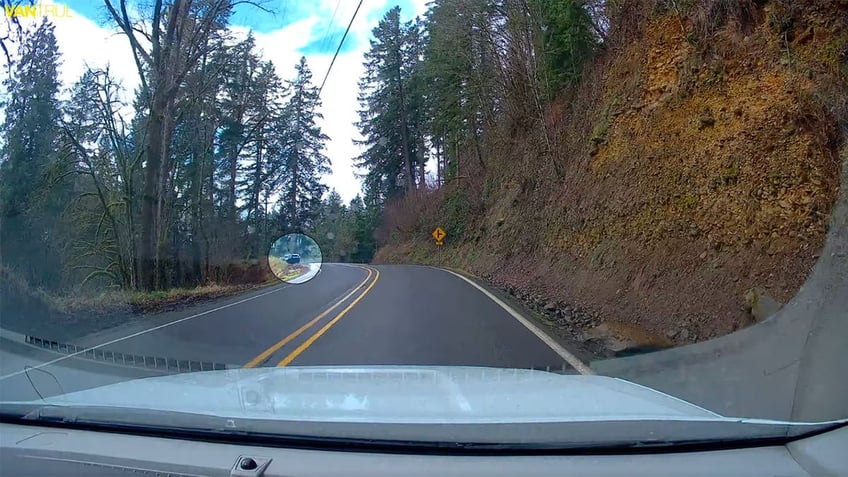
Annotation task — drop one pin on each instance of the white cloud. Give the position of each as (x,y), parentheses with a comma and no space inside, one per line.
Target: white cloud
(85,44)
(338,97)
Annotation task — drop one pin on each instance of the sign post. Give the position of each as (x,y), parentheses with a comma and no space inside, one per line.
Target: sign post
(439,234)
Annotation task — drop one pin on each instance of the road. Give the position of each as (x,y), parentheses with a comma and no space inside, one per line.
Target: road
(346,315)
(314,268)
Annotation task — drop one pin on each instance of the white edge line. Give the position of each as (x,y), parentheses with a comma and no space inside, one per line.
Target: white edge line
(139,333)
(553,345)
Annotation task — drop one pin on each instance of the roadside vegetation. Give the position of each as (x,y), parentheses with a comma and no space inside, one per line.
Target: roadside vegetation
(94,303)
(175,189)
(286,271)
(651,169)
(646,173)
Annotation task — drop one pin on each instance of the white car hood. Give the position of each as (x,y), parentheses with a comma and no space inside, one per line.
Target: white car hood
(391,394)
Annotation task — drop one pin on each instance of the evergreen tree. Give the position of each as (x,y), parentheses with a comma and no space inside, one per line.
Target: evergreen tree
(262,161)
(565,40)
(328,227)
(303,159)
(34,190)
(239,68)
(385,102)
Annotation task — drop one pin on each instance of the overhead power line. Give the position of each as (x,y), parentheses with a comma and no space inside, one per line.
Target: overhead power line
(341,43)
(326,41)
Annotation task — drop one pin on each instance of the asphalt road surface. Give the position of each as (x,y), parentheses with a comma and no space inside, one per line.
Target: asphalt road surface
(345,315)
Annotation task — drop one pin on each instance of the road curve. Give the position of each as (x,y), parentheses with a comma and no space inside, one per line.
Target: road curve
(425,316)
(346,315)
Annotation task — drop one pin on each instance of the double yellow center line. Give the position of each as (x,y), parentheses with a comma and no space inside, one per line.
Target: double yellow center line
(306,344)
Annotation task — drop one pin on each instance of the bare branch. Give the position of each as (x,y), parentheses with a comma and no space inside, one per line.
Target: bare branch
(126,26)
(143,33)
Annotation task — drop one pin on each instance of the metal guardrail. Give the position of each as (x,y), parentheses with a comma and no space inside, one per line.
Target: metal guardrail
(127,359)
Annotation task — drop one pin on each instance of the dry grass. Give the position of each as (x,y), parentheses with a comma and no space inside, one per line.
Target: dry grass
(115,300)
(285,271)
(111,301)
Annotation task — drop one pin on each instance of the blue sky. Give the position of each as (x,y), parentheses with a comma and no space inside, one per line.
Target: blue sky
(324,37)
(291,29)
(280,14)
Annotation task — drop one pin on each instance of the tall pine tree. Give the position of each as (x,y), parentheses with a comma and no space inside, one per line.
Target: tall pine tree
(34,189)
(394,148)
(303,161)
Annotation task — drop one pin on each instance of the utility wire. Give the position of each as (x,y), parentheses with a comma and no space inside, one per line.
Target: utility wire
(341,43)
(326,40)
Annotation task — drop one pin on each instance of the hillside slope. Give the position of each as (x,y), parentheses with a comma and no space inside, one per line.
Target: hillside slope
(693,165)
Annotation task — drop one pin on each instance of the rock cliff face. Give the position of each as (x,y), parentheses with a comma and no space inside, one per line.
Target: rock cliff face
(697,162)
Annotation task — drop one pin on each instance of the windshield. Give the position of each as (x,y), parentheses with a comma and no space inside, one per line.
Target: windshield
(531,223)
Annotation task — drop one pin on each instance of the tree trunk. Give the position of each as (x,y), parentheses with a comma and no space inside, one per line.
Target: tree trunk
(257,188)
(149,199)
(404,131)
(422,170)
(293,192)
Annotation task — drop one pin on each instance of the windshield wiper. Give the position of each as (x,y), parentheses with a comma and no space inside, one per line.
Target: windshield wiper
(604,437)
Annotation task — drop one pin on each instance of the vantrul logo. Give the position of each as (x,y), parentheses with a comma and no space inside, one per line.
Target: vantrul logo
(38,10)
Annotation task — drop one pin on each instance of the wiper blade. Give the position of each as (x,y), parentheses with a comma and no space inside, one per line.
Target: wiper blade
(599,437)
(20,410)
(113,416)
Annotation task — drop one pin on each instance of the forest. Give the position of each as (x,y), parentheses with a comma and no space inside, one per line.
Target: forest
(216,155)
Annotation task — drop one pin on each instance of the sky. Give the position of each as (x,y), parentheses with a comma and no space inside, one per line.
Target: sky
(288,30)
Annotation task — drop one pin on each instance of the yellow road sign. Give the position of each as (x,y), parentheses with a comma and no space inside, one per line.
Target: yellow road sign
(439,235)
